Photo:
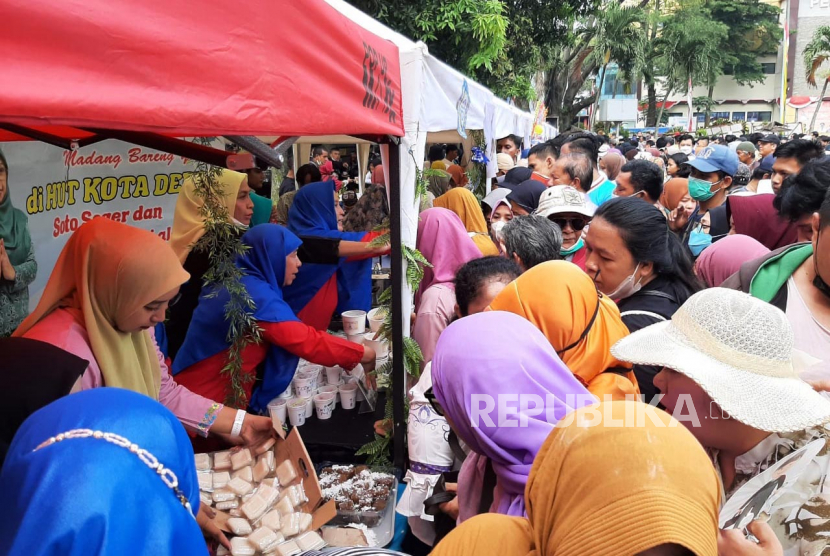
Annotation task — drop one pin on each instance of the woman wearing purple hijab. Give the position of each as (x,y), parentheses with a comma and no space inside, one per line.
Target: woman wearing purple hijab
(444,242)
(492,360)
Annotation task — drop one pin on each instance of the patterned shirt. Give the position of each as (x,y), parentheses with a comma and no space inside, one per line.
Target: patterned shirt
(14,295)
(800,516)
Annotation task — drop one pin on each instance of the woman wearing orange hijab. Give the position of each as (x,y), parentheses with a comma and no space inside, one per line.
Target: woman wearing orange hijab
(457,175)
(111,285)
(463,203)
(607,489)
(580,323)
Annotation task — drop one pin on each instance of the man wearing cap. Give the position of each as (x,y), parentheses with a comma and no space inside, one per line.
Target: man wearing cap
(505,164)
(746,154)
(731,376)
(767,144)
(570,209)
(711,177)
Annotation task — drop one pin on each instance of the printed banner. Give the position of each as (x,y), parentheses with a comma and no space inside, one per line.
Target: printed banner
(59,190)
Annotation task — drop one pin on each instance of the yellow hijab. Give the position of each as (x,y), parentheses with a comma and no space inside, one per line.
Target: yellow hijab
(106,272)
(463,203)
(606,489)
(188,223)
(559,299)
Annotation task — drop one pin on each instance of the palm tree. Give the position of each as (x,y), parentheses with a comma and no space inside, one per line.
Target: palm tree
(815,53)
(619,37)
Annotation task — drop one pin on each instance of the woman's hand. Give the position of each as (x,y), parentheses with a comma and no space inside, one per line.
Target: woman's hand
(679,218)
(6,268)
(209,529)
(256,430)
(450,508)
(734,543)
(368,359)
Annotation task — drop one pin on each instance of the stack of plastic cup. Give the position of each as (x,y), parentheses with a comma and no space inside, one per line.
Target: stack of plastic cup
(354,322)
(348,395)
(296,412)
(333,375)
(304,386)
(277,408)
(330,389)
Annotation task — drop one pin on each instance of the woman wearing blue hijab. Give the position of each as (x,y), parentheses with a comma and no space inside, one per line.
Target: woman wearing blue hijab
(320,289)
(269,265)
(70,493)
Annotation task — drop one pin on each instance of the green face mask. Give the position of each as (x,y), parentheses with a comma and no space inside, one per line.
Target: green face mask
(701,190)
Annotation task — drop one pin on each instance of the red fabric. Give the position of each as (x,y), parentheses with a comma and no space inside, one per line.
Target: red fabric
(216,68)
(368,238)
(754,216)
(540,178)
(205,378)
(580,257)
(320,309)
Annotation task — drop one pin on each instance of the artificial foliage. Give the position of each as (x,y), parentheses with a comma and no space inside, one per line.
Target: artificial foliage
(221,242)
(377,451)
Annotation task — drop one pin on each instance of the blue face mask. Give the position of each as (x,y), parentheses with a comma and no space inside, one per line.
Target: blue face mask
(701,190)
(698,241)
(573,248)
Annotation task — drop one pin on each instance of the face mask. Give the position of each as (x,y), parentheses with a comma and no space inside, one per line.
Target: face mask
(818,281)
(498,226)
(627,287)
(698,241)
(686,150)
(701,190)
(572,249)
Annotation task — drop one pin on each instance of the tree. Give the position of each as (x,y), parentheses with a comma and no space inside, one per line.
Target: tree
(619,36)
(816,53)
(499,43)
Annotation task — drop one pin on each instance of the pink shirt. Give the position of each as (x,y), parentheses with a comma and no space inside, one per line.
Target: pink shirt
(60,329)
(434,315)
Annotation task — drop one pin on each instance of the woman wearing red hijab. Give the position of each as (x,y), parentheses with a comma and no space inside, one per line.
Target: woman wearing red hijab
(754,216)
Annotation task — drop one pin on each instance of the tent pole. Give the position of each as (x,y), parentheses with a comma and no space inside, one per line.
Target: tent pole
(398,370)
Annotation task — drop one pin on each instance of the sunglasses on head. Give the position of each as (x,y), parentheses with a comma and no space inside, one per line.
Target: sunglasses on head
(430,396)
(576,223)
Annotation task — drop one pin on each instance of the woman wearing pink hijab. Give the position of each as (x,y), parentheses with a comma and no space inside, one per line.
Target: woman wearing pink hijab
(724,258)
(444,241)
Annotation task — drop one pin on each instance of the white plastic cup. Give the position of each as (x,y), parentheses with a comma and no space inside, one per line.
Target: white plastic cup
(304,386)
(375,322)
(356,338)
(330,389)
(296,412)
(309,406)
(333,375)
(348,395)
(288,394)
(324,405)
(354,322)
(277,409)
(314,371)
(381,348)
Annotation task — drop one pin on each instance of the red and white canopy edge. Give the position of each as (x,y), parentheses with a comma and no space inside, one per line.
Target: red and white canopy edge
(185,69)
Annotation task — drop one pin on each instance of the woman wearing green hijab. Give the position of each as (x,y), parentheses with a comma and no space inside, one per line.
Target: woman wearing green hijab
(17,259)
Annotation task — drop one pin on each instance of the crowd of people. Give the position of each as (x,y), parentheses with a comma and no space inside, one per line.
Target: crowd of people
(673,285)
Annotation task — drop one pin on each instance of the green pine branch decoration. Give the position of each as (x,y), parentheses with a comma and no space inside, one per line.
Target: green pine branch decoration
(221,242)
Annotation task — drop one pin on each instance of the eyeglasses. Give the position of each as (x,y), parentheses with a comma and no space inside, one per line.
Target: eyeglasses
(575,223)
(430,396)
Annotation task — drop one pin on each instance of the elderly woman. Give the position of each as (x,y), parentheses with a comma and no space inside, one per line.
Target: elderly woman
(17,258)
(571,210)
(727,353)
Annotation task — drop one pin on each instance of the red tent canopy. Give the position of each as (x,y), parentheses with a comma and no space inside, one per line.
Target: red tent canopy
(186,68)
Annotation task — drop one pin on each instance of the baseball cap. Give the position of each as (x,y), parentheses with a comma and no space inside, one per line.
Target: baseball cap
(771,138)
(564,198)
(603,150)
(766,163)
(746,146)
(716,158)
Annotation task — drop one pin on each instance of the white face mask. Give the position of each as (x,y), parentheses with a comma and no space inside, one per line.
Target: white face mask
(686,150)
(627,287)
(498,226)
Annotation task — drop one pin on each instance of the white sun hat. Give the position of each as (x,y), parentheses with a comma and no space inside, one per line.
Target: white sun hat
(562,199)
(740,351)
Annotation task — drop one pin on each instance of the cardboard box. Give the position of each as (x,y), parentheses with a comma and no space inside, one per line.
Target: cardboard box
(292,448)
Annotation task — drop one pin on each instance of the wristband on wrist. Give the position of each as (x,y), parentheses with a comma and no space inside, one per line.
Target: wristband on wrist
(237,423)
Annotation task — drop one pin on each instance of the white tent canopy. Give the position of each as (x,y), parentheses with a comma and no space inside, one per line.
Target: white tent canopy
(437,102)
